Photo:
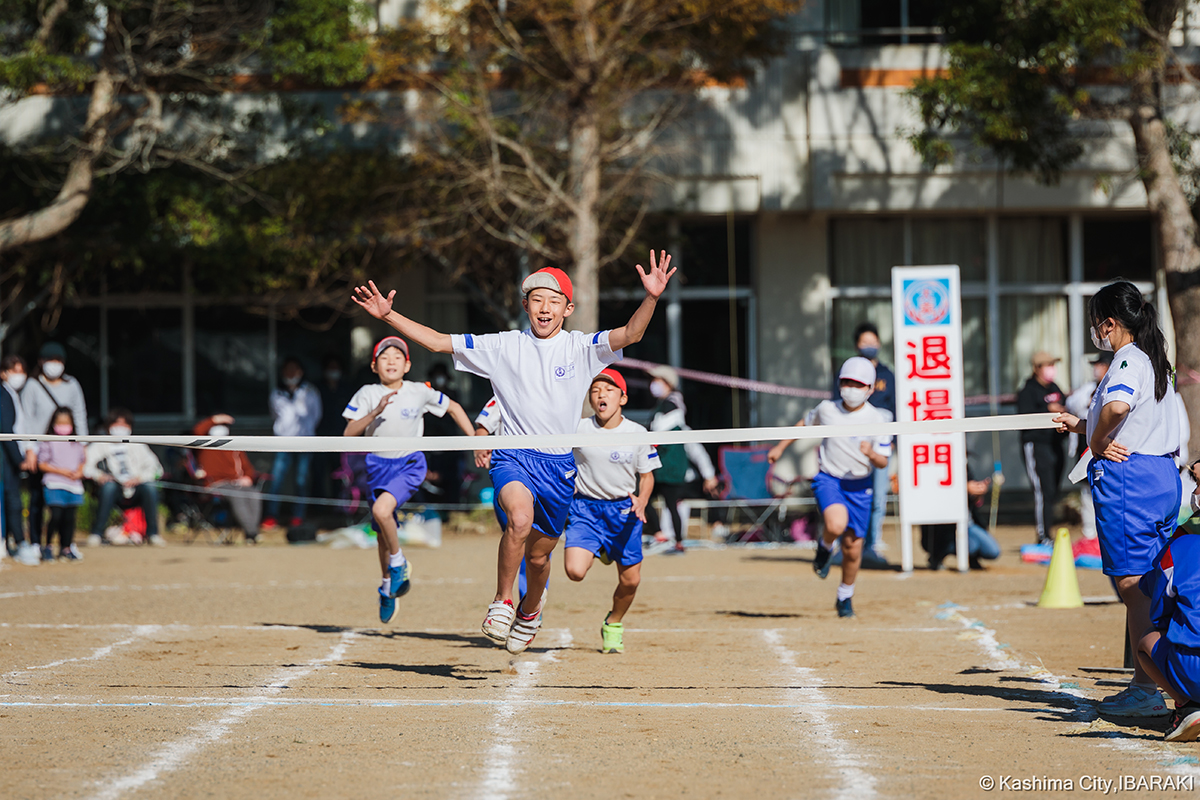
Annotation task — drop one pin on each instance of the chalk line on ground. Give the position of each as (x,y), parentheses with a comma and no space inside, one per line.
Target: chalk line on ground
(139,632)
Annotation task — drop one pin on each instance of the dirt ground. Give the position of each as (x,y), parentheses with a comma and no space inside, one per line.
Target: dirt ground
(203,671)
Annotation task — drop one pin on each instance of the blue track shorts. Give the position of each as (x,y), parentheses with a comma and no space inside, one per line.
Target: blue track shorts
(606,526)
(550,478)
(853,493)
(1137,509)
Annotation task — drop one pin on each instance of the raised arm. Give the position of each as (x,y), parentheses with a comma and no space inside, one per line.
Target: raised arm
(371,300)
(655,283)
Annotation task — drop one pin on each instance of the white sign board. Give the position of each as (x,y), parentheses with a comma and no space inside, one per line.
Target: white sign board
(932,468)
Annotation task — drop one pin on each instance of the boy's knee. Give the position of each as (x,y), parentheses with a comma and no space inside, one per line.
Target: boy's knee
(382,509)
(576,573)
(537,560)
(630,580)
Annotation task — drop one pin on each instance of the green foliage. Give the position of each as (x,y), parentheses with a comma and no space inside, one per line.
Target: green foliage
(320,41)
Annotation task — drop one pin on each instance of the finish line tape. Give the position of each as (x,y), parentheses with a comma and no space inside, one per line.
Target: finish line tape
(429,444)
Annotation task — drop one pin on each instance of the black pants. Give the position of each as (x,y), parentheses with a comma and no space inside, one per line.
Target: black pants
(37,507)
(671,494)
(14,526)
(62,522)
(1044,463)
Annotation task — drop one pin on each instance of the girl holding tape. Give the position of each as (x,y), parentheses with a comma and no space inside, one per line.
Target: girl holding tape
(1132,428)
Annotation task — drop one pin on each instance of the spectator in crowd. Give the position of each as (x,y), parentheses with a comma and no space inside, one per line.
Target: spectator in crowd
(296,411)
(49,388)
(673,478)
(1044,450)
(124,474)
(60,465)
(1077,404)
(939,540)
(230,469)
(336,391)
(17,456)
(883,396)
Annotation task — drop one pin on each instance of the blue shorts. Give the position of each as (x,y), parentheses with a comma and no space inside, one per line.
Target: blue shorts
(853,493)
(606,526)
(61,497)
(1179,665)
(1137,509)
(399,477)
(550,478)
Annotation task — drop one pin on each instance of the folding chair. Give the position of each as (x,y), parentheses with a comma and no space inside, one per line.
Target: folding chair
(203,514)
(748,476)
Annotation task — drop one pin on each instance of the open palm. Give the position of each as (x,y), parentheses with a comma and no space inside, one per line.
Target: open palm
(655,281)
(372,300)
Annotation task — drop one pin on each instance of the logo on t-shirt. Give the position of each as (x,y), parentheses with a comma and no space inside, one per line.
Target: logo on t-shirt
(410,413)
(618,457)
(564,373)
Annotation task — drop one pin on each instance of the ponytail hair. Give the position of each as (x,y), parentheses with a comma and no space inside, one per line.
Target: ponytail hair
(1123,302)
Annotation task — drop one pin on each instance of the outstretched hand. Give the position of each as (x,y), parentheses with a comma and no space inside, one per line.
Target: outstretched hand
(655,281)
(372,300)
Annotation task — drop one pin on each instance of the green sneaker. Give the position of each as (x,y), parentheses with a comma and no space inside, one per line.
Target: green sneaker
(604,557)
(611,634)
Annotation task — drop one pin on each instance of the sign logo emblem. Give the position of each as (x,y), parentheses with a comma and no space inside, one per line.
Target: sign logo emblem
(927,302)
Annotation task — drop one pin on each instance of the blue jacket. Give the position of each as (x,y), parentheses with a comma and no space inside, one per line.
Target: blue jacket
(1173,586)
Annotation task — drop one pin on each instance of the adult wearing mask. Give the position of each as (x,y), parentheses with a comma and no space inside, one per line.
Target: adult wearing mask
(296,411)
(13,378)
(1044,450)
(124,474)
(49,388)
(230,469)
(1132,428)
(1077,404)
(883,396)
(672,479)
(336,392)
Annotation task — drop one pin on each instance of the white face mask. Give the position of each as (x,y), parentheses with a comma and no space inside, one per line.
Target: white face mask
(1101,344)
(53,369)
(853,396)
(659,389)
(218,430)
(16,380)
(119,430)
(292,382)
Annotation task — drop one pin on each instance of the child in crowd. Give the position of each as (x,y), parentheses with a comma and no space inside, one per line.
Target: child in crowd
(611,492)
(61,465)
(843,485)
(541,377)
(395,407)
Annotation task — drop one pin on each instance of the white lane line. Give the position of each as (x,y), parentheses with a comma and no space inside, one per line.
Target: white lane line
(139,632)
(42,591)
(173,755)
(854,780)
(499,768)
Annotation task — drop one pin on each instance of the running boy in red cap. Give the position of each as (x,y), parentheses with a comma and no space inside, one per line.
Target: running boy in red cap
(611,492)
(541,377)
(395,407)
(843,484)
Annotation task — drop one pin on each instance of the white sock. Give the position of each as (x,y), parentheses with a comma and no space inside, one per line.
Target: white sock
(396,559)
(386,586)
(845,592)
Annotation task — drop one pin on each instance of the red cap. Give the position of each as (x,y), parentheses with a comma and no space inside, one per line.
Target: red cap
(613,377)
(390,341)
(548,278)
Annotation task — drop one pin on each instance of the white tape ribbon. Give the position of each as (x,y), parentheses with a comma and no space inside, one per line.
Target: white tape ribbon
(429,444)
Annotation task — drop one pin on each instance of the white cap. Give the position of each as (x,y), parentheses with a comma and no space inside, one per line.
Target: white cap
(858,369)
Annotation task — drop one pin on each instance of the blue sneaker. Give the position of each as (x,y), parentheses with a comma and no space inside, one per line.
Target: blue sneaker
(844,607)
(821,562)
(387,606)
(399,579)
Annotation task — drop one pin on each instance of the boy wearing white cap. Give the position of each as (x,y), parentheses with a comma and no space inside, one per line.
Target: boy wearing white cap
(540,377)
(843,486)
(395,407)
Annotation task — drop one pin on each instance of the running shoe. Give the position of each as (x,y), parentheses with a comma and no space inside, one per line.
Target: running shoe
(28,554)
(47,553)
(604,556)
(821,562)
(1135,701)
(387,606)
(499,621)
(845,608)
(522,632)
(157,541)
(399,580)
(70,553)
(1185,724)
(612,637)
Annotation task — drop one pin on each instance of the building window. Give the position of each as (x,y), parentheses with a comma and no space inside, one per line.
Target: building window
(1118,248)
(855,23)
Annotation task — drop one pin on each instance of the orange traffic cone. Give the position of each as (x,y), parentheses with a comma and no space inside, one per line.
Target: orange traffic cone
(1062,585)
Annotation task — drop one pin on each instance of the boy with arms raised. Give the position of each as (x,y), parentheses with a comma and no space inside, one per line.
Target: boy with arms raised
(540,377)
(395,407)
(606,514)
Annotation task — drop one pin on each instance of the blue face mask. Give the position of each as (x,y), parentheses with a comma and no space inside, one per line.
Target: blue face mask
(869,353)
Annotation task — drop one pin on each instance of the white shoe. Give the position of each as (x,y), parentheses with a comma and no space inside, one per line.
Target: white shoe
(94,540)
(499,621)
(116,535)
(157,541)
(28,554)
(522,632)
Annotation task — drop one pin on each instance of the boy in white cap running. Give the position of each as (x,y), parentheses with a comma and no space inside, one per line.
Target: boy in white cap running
(540,377)
(843,486)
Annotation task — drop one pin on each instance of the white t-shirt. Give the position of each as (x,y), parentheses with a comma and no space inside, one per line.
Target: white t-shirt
(489,418)
(610,473)
(840,456)
(1152,426)
(404,415)
(540,383)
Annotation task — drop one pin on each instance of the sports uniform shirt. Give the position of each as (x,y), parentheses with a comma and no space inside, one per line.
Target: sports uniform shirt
(610,473)
(1152,426)
(840,456)
(403,416)
(540,383)
(1173,586)
(489,418)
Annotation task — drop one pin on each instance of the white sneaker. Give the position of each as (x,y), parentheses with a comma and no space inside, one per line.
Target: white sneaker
(157,541)
(1135,701)
(499,621)
(28,554)
(523,631)
(116,535)
(94,540)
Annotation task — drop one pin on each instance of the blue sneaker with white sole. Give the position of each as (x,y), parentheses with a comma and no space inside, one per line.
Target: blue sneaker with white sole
(387,606)
(399,579)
